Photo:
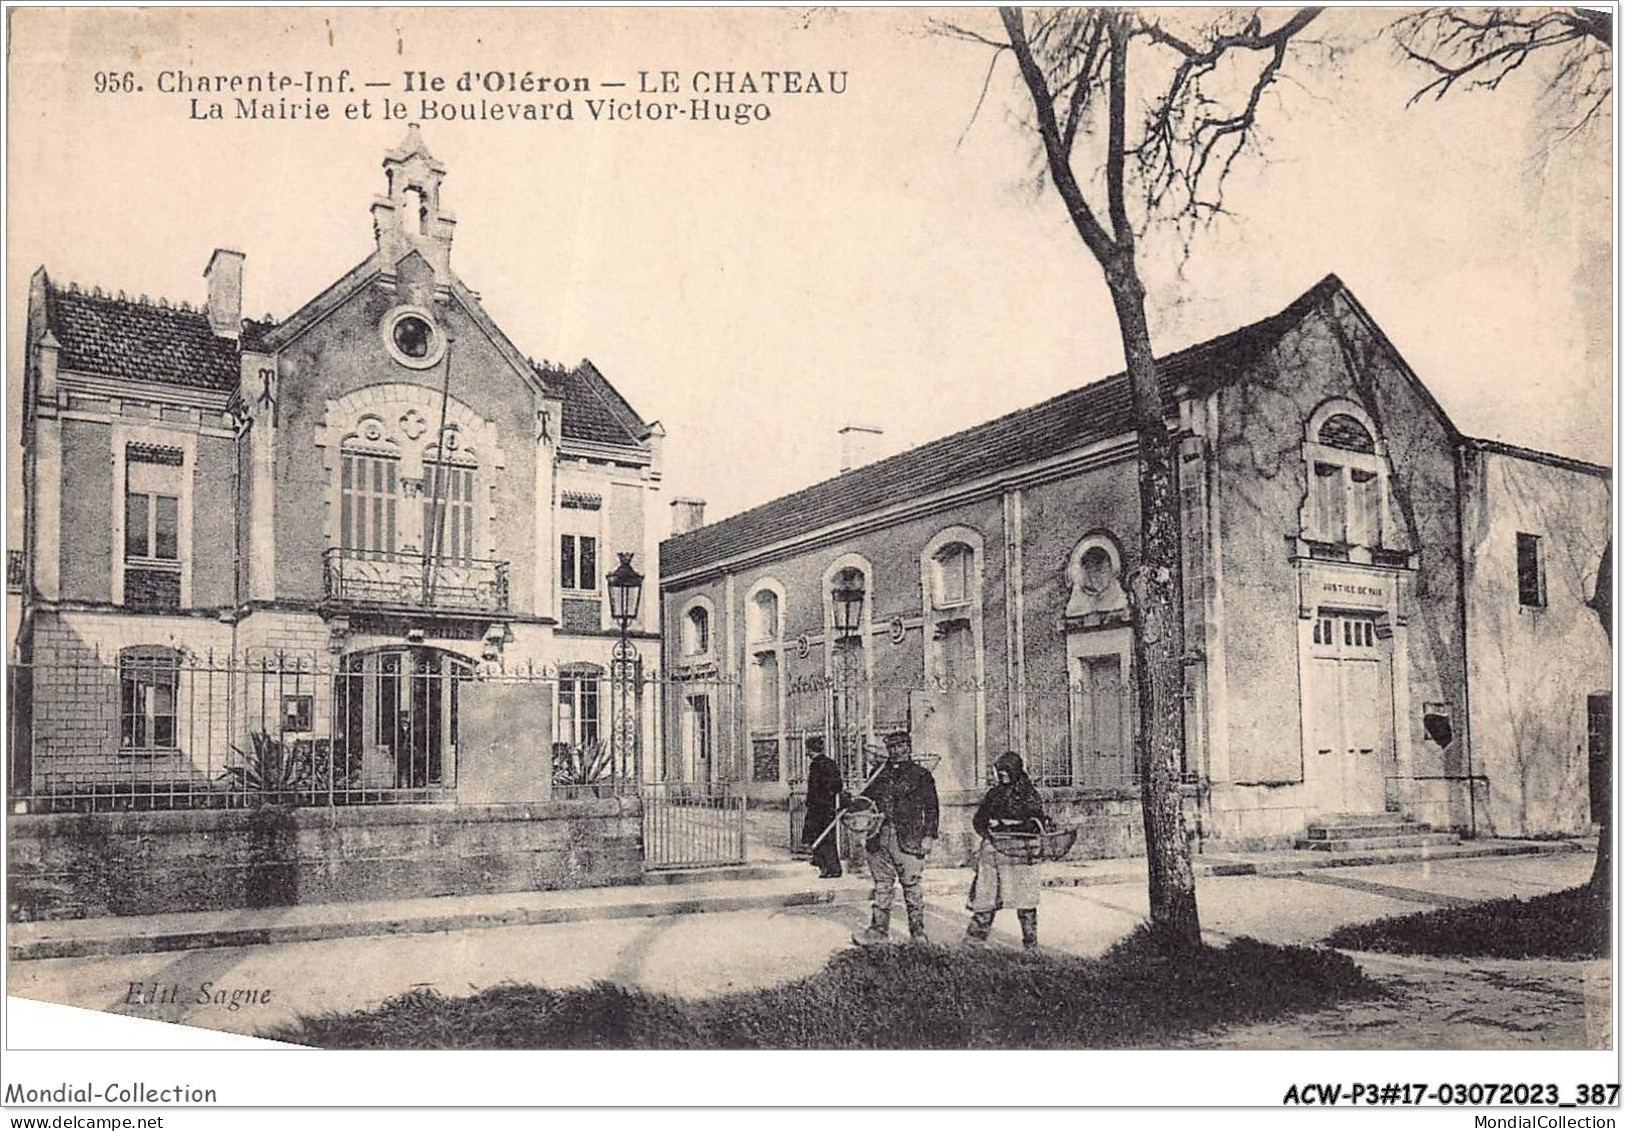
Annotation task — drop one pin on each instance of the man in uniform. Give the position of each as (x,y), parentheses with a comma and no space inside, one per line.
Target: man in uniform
(906,797)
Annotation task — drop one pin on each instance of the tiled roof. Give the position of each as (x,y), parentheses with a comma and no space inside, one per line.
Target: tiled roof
(1072,420)
(141,341)
(116,337)
(593,410)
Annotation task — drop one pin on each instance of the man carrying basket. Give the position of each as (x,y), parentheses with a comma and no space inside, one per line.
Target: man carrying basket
(905,796)
(1005,875)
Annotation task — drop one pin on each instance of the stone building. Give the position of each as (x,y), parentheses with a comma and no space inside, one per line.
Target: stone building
(371,498)
(1383,616)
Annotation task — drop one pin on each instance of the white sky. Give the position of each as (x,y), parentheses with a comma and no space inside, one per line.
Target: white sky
(849,261)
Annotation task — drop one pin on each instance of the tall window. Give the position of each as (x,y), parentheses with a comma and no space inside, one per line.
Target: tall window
(152,503)
(764,617)
(148,682)
(1531,572)
(367,486)
(578,562)
(448,490)
(578,707)
(954,576)
(697,632)
(1347,478)
(152,526)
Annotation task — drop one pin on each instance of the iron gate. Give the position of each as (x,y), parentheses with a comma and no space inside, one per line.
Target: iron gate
(692,824)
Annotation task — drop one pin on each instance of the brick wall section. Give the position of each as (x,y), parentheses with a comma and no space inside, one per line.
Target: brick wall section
(67,866)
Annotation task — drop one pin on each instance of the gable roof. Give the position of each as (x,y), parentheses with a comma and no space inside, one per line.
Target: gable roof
(594,410)
(1075,419)
(123,339)
(116,337)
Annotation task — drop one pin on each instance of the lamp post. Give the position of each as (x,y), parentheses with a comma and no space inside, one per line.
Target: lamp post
(846,600)
(625,595)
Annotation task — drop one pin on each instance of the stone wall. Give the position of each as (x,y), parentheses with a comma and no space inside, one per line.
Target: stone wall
(68,866)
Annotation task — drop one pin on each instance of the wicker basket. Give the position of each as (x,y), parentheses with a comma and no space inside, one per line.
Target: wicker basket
(862,818)
(1030,848)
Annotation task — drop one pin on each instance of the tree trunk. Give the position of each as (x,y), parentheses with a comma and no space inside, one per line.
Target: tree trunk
(1159,627)
(1602,598)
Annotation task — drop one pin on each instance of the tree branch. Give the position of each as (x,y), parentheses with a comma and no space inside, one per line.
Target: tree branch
(1060,164)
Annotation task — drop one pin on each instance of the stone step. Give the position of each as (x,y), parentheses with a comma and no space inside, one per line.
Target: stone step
(1337,820)
(1367,843)
(1350,831)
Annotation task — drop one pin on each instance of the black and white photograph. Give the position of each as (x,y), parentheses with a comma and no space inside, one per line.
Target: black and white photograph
(1079,531)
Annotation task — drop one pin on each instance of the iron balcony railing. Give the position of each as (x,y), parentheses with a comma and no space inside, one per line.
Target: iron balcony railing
(398,579)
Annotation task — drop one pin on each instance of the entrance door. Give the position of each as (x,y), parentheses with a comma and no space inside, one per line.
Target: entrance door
(1599,749)
(698,738)
(398,709)
(1349,715)
(1100,748)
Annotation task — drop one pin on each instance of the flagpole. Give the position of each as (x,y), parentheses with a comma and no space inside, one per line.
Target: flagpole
(431,542)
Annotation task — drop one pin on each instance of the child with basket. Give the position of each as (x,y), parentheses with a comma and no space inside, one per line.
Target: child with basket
(1009,821)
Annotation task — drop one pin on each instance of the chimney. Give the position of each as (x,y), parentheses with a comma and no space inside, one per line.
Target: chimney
(860,444)
(224,276)
(686,515)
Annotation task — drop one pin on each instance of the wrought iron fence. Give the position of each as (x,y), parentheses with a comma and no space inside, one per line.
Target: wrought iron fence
(163,728)
(1077,735)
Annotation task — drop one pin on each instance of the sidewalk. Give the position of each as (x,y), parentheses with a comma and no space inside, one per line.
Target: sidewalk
(749,887)
(1442,1003)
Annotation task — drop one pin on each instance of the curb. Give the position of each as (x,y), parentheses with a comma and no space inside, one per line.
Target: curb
(111,945)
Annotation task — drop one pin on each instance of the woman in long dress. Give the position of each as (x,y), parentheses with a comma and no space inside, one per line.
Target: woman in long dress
(1011,806)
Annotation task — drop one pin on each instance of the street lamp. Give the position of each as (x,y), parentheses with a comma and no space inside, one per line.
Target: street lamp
(625,595)
(847,599)
(846,611)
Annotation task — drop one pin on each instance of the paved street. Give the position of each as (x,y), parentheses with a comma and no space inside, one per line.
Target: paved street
(1440,1003)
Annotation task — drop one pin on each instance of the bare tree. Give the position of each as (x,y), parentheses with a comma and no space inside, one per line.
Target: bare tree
(1149,110)
(1479,48)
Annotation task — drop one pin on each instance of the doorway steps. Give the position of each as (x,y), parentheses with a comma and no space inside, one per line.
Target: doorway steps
(1360,832)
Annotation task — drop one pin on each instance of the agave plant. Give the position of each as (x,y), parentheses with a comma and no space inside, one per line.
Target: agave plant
(589,763)
(269,765)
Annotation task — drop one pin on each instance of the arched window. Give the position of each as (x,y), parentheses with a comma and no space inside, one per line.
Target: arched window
(1343,431)
(763,617)
(1346,505)
(764,691)
(149,681)
(696,630)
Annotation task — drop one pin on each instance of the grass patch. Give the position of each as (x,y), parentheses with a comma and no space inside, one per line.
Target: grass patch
(1565,924)
(1143,993)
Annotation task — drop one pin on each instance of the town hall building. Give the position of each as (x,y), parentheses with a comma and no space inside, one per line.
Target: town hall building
(1383,616)
(310,531)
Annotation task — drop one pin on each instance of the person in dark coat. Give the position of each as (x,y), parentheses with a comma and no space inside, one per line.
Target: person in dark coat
(906,796)
(1011,806)
(825,792)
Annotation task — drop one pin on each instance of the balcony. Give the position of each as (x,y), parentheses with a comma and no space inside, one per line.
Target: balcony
(397,580)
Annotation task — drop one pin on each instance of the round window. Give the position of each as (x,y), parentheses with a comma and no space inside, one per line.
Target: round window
(414,337)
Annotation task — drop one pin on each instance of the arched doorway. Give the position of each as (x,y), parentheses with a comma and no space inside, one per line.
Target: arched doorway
(396,716)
